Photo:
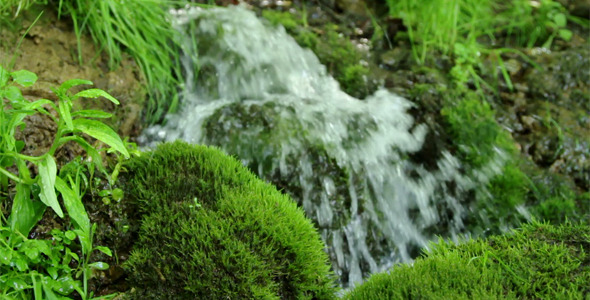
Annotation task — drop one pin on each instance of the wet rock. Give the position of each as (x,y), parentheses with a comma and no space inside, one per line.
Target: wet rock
(395,59)
(562,73)
(545,150)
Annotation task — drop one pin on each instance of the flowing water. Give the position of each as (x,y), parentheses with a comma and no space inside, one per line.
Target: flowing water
(261,97)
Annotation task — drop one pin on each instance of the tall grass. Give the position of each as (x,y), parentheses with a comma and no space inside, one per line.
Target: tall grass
(435,25)
(141,28)
(438,26)
(12,8)
(463,30)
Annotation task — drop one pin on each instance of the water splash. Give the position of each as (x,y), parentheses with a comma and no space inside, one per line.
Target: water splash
(263,98)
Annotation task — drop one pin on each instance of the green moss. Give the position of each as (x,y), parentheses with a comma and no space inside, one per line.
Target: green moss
(480,141)
(540,261)
(472,124)
(284,18)
(554,199)
(505,192)
(212,229)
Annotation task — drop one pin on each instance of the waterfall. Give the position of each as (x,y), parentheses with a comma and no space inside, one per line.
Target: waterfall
(261,97)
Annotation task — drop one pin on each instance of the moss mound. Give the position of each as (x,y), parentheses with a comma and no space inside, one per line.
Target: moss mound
(211,230)
(540,261)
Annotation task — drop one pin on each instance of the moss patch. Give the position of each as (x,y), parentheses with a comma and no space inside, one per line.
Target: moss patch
(540,261)
(212,229)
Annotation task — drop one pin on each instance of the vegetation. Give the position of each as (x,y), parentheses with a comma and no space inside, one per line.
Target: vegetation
(446,26)
(213,229)
(142,29)
(230,234)
(12,8)
(42,267)
(541,261)
(463,33)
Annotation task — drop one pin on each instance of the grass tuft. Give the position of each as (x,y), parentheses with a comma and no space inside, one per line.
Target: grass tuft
(142,28)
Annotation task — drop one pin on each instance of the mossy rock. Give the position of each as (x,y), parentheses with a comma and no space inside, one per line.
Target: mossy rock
(338,53)
(540,261)
(211,229)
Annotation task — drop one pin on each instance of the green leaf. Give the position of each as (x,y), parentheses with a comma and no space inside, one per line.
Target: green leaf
(16,283)
(31,250)
(49,294)
(23,169)
(27,110)
(85,240)
(72,254)
(565,34)
(560,20)
(4,76)
(66,285)
(104,250)
(102,133)
(64,112)
(37,288)
(21,264)
(74,206)
(14,94)
(92,152)
(91,113)
(64,87)
(47,172)
(36,104)
(99,265)
(70,234)
(6,255)
(95,93)
(52,271)
(25,211)
(6,162)
(117,194)
(24,77)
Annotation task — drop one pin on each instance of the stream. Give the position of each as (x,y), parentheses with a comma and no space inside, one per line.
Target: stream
(252,91)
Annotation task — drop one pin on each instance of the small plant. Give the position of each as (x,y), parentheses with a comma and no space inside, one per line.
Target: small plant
(36,264)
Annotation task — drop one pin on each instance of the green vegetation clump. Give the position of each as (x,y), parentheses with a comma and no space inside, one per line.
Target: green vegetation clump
(212,229)
(481,143)
(336,52)
(540,261)
(474,129)
(143,29)
(45,268)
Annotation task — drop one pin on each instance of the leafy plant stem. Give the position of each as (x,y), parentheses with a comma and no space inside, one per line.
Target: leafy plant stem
(10,175)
